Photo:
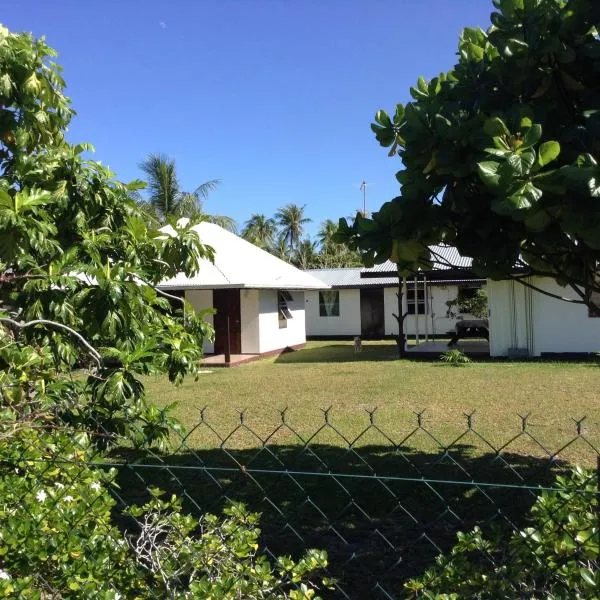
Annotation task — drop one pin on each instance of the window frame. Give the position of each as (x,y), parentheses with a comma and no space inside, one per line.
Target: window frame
(323,310)
(284,313)
(419,304)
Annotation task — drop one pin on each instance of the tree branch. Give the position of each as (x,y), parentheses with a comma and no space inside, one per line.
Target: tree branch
(546,293)
(94,353)
(158,290)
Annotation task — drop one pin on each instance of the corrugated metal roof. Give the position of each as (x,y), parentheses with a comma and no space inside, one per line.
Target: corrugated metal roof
(444,257)
(351,278)
(240,264)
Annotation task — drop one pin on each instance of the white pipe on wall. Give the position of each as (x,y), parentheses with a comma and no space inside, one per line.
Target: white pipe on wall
(426,300)
(416,291)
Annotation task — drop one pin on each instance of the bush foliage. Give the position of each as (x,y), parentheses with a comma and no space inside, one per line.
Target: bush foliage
(555,558)
(81,319)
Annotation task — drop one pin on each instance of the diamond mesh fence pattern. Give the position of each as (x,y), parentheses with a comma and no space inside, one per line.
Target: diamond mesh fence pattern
(383,504)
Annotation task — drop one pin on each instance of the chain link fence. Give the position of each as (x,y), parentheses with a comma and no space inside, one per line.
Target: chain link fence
(383,504)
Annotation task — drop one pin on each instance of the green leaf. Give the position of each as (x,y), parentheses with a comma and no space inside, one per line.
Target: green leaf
(538,221)
(521,163)
(532,137)
(495,126)
(399,114)
(5,200)
(547,152)
(383,119)
(526,122)
(588,576)
(488,171)
(475,52)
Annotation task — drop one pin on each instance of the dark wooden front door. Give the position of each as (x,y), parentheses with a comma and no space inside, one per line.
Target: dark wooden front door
(227,305)
(371,313)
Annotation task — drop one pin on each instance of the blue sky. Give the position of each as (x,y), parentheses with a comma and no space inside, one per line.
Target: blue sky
(273,97)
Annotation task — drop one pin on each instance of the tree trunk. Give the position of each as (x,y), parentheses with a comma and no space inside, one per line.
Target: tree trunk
(401,337)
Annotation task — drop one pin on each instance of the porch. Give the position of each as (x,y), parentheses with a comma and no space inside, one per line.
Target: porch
(472,348)
(218,360)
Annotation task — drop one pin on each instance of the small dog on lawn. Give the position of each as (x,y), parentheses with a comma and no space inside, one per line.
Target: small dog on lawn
(357,344)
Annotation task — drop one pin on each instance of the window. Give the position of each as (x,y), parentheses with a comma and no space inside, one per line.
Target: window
(329,303)
(466,293)
(413,307)
(283,298)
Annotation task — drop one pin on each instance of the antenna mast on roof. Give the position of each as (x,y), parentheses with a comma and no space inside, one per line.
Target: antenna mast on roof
(363,187)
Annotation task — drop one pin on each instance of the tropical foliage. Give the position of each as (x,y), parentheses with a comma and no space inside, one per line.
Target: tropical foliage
(274,235)
(79,268)
(165,198)
(59,539)
(500,155)
(475,303)
(291,221)
(81,319)
(554,557)
(260,230)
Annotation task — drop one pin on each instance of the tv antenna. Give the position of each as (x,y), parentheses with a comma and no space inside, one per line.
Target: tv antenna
(363,187)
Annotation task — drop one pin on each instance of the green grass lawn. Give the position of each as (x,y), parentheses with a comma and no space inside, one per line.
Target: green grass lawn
(330,375)
(384,498)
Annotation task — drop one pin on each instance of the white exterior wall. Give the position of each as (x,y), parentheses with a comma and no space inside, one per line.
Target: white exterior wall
(249,317)
(523,318)
(200,300)
(434,323)
(271,335)
(347,324)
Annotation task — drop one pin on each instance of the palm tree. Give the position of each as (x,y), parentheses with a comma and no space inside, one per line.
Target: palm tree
(306,255)
(166,198)
(325,236)
(291,221)
(280,249)
(259,230)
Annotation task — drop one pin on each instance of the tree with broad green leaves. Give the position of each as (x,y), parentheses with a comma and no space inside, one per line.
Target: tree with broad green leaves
(79,270)
(500,156)
(79,274)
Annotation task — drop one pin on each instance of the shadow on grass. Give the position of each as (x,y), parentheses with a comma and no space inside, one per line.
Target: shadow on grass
(382,514)
(339,353)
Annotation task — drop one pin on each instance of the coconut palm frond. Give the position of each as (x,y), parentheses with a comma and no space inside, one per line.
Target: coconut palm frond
(188,206)
(163,185)
(165,195)
(260,230)
(204,189)
(222,221)
(291,221)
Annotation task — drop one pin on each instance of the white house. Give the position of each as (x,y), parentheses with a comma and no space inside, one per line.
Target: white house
(525,322)
(258,299)
(362,301)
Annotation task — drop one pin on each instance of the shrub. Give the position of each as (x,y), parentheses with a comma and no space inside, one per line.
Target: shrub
(554,558)
(58,540)
(455,357)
